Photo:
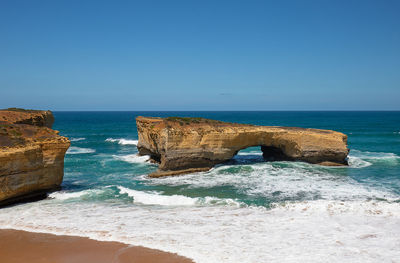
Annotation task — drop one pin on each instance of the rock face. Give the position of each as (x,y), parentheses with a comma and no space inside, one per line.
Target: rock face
(31,117)
(31,154)
(185,145)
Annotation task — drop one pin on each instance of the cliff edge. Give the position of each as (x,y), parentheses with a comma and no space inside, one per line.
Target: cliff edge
(31,154)
(186,145)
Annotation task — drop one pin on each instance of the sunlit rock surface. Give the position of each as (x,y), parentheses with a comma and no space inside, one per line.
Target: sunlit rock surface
(186,145)
(31,154)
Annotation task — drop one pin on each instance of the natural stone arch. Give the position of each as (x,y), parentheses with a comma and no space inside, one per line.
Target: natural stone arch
(185,145)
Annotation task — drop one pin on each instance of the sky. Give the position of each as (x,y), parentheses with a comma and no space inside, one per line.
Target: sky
(200,55)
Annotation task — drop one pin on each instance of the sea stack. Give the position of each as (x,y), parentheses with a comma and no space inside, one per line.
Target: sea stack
(31,155)
(187,145)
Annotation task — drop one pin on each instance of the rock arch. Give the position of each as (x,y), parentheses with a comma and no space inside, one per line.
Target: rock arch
(185,145)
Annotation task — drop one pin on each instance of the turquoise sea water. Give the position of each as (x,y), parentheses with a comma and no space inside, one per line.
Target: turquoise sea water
(246,210)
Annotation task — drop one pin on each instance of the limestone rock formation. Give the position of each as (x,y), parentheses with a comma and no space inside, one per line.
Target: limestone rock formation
(31,154)
(32,117)
(185,145)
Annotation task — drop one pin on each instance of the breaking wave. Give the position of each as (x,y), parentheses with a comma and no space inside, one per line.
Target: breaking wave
(123,141)
(290,232)
(132,158)
(360,159)
(79,150)
(156,198)
(76,139)
(281,181)
(357,162)
(63,195)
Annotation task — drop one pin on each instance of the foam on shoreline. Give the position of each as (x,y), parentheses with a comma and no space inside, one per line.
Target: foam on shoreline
(42,248)
(317,212)
(290,232)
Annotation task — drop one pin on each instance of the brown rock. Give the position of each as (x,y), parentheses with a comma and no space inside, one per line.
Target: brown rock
(184,145)
(31,117)
(31,155)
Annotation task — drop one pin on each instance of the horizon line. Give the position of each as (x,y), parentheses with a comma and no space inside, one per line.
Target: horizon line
(226,110)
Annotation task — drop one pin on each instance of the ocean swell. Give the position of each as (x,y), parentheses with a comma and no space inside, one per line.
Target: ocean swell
(122,141)
(132,158)
(156,198)
(76,139)
(79,150)
(280,181)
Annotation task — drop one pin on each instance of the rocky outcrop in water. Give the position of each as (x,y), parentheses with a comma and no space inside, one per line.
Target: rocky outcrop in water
(186,145)
(31,154)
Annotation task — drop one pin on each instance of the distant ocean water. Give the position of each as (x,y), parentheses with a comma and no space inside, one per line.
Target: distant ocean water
(246,210)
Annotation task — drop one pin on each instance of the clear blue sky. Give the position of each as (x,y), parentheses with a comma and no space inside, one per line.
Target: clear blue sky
(200,55)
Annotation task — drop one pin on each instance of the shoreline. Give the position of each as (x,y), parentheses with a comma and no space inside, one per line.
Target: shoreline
(19,246)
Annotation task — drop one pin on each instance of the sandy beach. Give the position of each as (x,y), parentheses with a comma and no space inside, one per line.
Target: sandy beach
(21,246)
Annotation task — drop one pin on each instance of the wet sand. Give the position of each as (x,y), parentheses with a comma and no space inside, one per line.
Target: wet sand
(21,247)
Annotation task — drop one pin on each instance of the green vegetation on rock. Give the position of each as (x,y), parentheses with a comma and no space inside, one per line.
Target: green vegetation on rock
(189,120)
(20,110)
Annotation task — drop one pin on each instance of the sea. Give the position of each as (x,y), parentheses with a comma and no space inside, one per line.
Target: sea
(245,210)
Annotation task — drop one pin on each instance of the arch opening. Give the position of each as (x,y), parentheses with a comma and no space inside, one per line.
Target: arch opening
(257,154)
(247,155)
(271,153)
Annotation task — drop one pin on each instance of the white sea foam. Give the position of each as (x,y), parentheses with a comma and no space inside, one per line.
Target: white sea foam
(314,231)
(289,180)
(294,181)
(79,150)
(253,153)
(156,198)
(343,227)
(374,155)
(132,158)
(76,139)
(357,159)
(123,141)
(63,195)
(357,162)
(248,157)
(362,159)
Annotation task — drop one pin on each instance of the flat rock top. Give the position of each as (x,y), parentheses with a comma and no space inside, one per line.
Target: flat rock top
(12,135)
(187,123)
(22,116)
(19,127)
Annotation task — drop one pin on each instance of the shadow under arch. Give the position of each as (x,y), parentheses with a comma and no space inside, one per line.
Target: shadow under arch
(257,154)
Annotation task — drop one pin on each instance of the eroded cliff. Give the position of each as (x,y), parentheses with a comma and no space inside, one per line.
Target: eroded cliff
(31,154)
(32,117)
(185,145)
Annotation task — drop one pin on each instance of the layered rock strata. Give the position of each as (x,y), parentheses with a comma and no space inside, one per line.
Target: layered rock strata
(186,145)
(31,154)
